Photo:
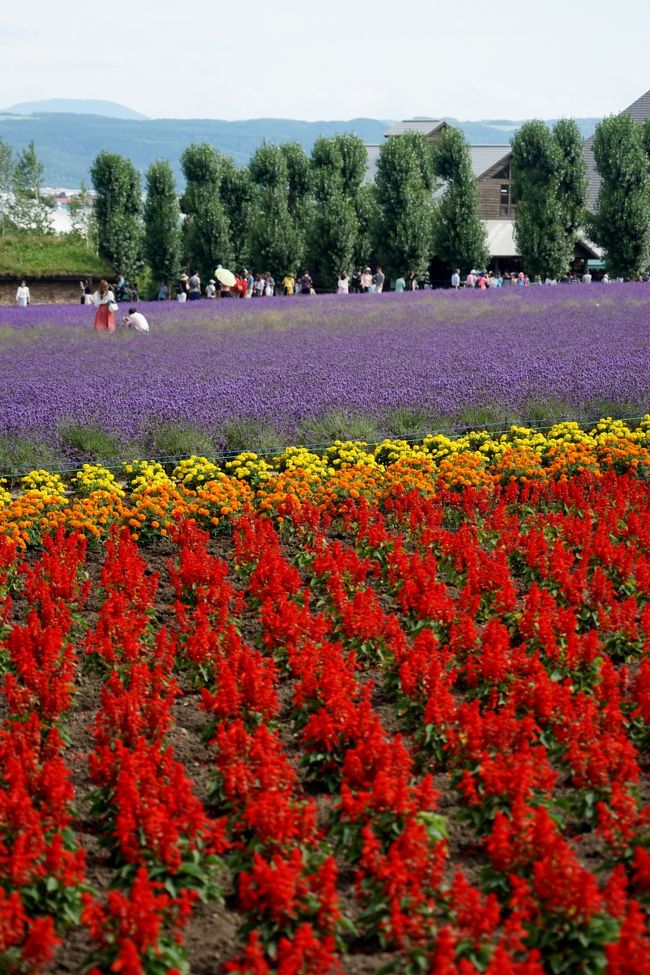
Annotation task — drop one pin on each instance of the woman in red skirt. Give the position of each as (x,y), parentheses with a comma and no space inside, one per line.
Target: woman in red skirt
(104,301)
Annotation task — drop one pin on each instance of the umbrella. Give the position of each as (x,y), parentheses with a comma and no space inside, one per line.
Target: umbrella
(225,277)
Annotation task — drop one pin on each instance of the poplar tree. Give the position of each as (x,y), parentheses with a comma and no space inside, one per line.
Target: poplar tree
(118,212)
(31,209)
(621,225)
(162,236)
(572,182)
(300,179)
(548,184)
(338,170)
(405,221)
(206,231)
(460,237)
(277,237)
(236,192)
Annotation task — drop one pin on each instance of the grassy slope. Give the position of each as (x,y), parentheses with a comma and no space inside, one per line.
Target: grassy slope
(50,255)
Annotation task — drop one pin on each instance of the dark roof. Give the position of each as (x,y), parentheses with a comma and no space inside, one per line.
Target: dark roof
(485,157)
(424,125)
(639,111)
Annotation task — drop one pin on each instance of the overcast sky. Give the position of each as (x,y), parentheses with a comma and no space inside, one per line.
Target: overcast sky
(333,60)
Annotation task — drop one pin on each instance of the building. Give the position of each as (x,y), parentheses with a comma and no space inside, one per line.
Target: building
(491,165)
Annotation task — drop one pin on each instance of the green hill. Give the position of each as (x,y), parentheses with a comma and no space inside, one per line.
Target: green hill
(56,255)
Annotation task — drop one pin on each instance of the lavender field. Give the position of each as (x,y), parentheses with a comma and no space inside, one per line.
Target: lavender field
(298,368)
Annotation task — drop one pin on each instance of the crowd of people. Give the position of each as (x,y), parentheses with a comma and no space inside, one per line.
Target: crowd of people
(495,279)
(246,284)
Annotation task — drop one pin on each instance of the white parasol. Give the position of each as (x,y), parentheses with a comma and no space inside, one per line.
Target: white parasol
(225,277)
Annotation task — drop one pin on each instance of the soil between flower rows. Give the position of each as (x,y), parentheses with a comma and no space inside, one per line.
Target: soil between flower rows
(391,584)
(211,935)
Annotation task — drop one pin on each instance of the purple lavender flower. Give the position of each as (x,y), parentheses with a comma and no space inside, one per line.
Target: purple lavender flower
(285,361)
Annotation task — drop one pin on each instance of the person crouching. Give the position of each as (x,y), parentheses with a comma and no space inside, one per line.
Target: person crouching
(135,320)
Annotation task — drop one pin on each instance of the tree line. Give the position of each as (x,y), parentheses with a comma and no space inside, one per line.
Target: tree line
(287,210)
(549,182)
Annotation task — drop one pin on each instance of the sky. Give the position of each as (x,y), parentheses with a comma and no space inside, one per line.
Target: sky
(333,60)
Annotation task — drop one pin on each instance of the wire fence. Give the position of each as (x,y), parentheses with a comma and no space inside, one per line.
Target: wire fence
(166,460)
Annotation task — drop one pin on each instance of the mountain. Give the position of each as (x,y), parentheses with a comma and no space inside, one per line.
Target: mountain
(76,106)
(498,132)
(67,142)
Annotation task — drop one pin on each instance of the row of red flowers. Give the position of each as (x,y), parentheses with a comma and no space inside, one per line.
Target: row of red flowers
(426,731)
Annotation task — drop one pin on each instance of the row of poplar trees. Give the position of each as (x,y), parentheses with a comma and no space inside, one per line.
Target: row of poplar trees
(286,211)
(550,187)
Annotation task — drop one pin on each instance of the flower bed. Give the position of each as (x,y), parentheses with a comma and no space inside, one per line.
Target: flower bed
(323,713)
(301,368)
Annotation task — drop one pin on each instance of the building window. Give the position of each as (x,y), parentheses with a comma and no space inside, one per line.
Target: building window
(503,173)
(504,208)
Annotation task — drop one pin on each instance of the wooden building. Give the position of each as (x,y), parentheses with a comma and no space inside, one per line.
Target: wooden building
(492,168)
(490,165)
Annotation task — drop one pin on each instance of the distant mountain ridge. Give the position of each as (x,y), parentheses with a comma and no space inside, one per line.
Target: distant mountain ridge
(68,141)
(74,106)
(500,131)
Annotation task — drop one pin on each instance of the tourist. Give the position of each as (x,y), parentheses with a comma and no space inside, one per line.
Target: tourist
(22,295)
(306,284)
(258,286)
(136,320)
(182,288)
(120,287)
(400,284)
(211,289)
(605,278)
(586,277)
(470,280)
(104,301)
(492,280)
(288,284)
(195,286)
(356,282)
(86,292)
(455,279)
(163,291)
(366,280)
(238,289)
(269,285)
(250,283)
(378,280)
(343,285)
